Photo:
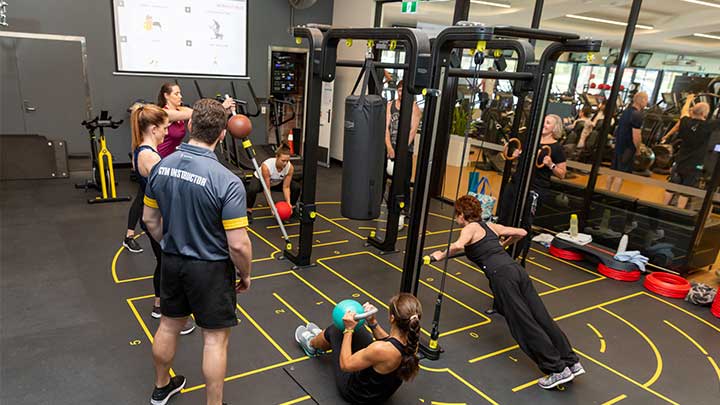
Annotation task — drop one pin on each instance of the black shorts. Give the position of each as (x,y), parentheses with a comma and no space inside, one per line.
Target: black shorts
(624,161)
(203,288)
(361,339)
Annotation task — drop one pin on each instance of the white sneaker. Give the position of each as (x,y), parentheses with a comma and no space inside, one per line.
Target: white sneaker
(401,222)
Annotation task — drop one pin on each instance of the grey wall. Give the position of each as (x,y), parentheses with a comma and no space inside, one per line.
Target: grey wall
(268,25)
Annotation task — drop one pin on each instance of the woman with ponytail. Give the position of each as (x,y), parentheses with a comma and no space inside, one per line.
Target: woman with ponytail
(367,371)
(149,126)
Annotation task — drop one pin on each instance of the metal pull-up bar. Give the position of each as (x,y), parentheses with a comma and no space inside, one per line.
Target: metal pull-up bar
(417,47)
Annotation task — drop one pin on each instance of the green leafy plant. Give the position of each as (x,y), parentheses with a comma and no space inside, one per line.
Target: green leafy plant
(460,119)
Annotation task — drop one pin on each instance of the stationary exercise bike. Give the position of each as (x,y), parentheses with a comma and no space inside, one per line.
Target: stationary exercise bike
(103,175)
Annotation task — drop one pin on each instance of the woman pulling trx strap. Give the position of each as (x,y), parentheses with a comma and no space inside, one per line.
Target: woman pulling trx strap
(515,297)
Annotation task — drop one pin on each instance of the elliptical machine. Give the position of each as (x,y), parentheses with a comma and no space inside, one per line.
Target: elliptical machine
(103,175)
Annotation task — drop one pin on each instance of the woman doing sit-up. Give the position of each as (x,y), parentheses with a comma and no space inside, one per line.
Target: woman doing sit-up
(368,372)
(530,323)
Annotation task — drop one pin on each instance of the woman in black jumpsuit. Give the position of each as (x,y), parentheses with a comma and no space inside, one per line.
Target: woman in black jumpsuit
(530,323)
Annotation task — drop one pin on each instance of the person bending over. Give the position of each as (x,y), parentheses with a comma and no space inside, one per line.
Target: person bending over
(277,174)
(367,371)
(628,137)
(195,207)
(693,132)
(529,322)
(170,99)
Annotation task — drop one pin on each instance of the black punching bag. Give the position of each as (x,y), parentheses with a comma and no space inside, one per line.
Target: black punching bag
(363,152)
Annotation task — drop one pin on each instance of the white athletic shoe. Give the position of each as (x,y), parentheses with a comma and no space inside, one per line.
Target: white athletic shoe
(401,222)
(303,336)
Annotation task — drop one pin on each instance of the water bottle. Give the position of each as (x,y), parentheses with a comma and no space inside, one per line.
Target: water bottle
(573,226)
(623,244)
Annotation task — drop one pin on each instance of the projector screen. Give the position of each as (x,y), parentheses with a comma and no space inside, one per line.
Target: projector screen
(176,38)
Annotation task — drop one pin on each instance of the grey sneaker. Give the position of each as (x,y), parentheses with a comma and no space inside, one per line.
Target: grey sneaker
(577,369)
(188,328)
(555,379)
(303,336)
(314,329)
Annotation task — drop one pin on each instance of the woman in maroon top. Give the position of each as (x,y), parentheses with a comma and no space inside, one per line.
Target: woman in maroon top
(170,98)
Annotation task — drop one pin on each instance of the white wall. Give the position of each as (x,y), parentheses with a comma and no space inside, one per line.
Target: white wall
(355,14)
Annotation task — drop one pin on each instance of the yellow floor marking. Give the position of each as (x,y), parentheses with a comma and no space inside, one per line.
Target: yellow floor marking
(338,242)
(715,366)
(346,229)
(265,217)
(277,249)
(142,323)
(447,403)
(542,266)
(567,287)
(702,349)
(297,400)
(286,225)
(493,354)
(600,336)
(623,376)
(462,380)
(113,267)
(681,310)
(291,308)
(542,282)
(309,284)
(457,301)
(296,235)
(526,385)
(461,281)
(435,246)
(693,341)
(566,262)
(507,349)
(369,228)
(440,216)
(658,357)
(262,331)
(615,400)
(280,273)
(598,306)
(251,372)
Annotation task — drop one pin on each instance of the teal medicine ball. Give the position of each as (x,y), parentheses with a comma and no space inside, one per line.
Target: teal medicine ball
(341,308)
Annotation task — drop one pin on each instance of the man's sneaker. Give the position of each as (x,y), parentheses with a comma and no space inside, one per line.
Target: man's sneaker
(555,379)
(132,245)
(156,312)
(188,328)
(303,336)
(577,369)
(161,396)
(401,222)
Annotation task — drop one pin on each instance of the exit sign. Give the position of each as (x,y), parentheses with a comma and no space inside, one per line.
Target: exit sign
(409,7)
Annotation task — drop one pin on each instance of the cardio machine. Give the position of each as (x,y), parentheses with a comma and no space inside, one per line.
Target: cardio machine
(103,175)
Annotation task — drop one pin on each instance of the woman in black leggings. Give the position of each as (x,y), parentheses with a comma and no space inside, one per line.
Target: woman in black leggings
(149,125)
(530,323)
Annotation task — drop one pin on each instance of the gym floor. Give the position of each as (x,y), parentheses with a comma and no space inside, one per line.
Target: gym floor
(76,326)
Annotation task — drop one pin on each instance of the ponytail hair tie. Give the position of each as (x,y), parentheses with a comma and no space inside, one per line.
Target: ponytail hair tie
(415,317)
